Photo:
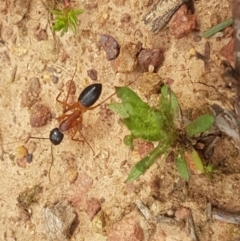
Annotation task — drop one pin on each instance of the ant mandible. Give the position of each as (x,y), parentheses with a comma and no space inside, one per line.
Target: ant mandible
(72,117)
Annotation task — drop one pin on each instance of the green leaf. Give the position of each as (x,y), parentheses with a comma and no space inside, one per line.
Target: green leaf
(119,109)
(64,30)
(197,161)
(147,125)
(143,121)
(65,18)
(199,125)
(148,160)
(181,165)
(129,96)
(169,104)
(72,17)
(59,26)
(73,26)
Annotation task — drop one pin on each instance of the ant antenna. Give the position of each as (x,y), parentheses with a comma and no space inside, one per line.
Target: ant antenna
(65,102)
(93,107)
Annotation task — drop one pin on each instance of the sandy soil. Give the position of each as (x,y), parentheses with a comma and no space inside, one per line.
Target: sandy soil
(83,182)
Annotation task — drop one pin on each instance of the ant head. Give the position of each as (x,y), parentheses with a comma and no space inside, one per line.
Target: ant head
(90,94)
(56,136)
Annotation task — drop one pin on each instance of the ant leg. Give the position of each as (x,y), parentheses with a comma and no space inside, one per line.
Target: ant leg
(78,129)
(51,164)
(64,103)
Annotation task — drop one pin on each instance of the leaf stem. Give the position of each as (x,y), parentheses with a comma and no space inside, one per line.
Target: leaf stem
(150,159)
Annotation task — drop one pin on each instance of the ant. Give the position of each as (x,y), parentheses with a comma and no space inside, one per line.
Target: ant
(72,117)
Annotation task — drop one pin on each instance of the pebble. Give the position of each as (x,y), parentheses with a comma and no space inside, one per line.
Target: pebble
(127,59)
(40,115)
(149,57)
(110,46)
(92,73)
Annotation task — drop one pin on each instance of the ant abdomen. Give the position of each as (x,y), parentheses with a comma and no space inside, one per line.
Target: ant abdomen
(90,94)
(56,136)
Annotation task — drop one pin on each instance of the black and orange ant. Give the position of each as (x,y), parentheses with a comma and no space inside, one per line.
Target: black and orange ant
(72,117)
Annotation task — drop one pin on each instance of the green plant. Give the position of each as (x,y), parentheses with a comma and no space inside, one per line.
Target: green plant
(66,18)
(159,124)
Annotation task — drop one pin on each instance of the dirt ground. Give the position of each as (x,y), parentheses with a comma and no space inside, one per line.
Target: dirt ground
(36,64)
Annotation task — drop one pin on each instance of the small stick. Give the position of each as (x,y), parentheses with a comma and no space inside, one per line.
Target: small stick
(13,74)
(191,228)
(209,212)
(144,210)
(207,57)
(217,28)
(236,26)
(227,217)
(161,13)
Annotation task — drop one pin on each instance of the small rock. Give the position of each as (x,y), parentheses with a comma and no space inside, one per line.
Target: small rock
(80,188)
(149,57)
(125,18)
(127,59)
(18,51)
(21,151)
(110,46)
(21,162)
(40,115)
(72,174)
(34,87)
(98,222)
(93,207)
(30,95)
(149,84)
(41,35)
(197,38)
(51,69)
(228,32)
(29,196)
(59,219)
(126,229)
(55,79)
(227,51)
(92,73)
(29,158)
(144,148)
(103,18)
(182,23)
(182,213)
(21,154)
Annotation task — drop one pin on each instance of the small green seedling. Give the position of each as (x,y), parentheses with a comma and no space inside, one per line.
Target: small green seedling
(66,18)
(158,124)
